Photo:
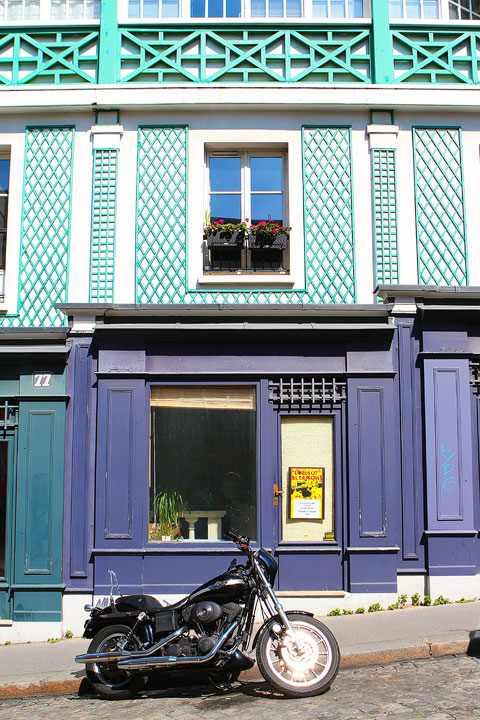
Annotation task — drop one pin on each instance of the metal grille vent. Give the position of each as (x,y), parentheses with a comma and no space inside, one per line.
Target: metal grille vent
(475,376)
(306,392)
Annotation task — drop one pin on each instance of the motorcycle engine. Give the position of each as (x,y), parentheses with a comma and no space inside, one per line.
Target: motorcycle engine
(210,620)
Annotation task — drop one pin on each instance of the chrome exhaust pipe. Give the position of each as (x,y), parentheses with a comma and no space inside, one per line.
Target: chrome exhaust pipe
(124,654)
(170,661)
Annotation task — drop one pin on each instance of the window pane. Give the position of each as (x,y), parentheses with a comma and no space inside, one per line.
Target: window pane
(275,8)
(150,8)
(169,8)
(197,8)
(14,10)
(4,174)
(294,8)
(337,8)
(203,460)
(307,442)
(215,8)
(257,8)
(93,9)
(225,174)
(396,10)
(320,8)
(267,207)
(32,9)
(233,8)
(412,8)
(3,212)
(75,9)
(266,173)
(226,207)
(58,10)
(430,9)
(355,8)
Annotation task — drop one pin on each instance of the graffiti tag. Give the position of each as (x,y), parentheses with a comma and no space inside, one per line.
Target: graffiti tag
(448,469)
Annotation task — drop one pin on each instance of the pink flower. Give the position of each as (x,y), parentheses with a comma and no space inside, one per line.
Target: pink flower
(262,222)
(221,220)
(247,220)
(274,230)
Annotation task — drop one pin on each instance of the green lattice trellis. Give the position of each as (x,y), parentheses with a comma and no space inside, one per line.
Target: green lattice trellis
(329,240)
(226,54)
(48,56)
(161,215)
(439,205)
(385,215)
(43,277)
(102,261)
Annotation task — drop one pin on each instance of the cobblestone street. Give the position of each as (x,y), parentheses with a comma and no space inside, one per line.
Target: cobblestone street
(435,689)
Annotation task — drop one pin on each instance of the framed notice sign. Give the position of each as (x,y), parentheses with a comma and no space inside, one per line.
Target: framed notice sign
(306,493)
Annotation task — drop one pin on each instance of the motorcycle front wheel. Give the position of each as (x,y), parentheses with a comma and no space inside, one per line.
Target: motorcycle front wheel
(107,680)
(303,670)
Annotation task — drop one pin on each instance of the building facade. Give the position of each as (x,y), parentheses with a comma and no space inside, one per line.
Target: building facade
(241,290)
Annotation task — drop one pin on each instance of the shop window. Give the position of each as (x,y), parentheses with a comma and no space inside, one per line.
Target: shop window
(308,499)
(247,229)
(415,9)
(4,189)
(203,463)
(337,8)
(464,9)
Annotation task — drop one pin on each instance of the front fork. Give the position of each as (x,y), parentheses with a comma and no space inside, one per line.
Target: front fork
(275,608)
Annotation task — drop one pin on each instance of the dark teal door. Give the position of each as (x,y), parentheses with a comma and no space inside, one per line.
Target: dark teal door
(39,512)
(7,475)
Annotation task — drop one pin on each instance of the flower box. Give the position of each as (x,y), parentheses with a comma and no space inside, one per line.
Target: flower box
(263,240)
(225,238)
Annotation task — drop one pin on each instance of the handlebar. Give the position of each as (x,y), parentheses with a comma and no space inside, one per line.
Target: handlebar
(243,543)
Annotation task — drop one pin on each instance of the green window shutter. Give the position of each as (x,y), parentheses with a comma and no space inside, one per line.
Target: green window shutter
(385,215)
(329,239)
(102,261)
(442,256)
(162,215)
(45,238)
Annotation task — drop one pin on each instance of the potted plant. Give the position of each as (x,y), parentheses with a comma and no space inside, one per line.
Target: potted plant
(268,234)
(167,505)
(225,234)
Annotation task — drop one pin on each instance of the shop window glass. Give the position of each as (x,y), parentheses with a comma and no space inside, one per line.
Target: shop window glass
(337,8)
(150,9)
(307,477)
(203,463)
(414,9)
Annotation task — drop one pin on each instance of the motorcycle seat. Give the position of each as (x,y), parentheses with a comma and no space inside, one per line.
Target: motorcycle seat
(147,603)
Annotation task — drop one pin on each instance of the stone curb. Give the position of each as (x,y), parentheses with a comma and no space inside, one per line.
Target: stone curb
(420,651)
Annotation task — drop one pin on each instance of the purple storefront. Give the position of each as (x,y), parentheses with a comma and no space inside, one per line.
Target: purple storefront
(340,437)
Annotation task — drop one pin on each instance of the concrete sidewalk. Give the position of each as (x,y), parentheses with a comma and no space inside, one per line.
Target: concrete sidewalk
(373,638)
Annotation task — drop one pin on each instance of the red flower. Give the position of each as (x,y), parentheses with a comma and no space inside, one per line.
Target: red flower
(262,222)
(274,230)
(221,220)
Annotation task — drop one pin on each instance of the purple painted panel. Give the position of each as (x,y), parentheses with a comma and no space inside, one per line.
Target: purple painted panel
(411,451)
(373,572)
(452,555)
(128,569)
(448,444)
(310,571)
(120,472)
(121,359)
(371,462)
(374,500)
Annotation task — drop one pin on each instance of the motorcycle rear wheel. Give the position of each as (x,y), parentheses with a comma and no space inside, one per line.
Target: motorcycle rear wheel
(299,673)
(107,680)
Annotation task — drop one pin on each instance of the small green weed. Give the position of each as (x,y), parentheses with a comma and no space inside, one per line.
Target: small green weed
(335,611)
(53,640)
(394,606)
(427,600)
(465,600)
(69,634)
(347,612)
(359,611)
(442,601)
(416,600)
(402,600)
(8,642)
(375,607)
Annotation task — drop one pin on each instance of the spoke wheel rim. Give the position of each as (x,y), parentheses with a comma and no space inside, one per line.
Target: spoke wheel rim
(109,673)
(304,668)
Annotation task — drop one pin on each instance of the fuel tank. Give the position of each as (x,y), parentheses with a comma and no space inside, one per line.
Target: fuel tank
(228,587)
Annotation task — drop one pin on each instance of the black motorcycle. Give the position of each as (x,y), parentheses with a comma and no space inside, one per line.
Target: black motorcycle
(209,632)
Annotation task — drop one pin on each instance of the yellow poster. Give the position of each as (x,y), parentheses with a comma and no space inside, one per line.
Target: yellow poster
(306,493)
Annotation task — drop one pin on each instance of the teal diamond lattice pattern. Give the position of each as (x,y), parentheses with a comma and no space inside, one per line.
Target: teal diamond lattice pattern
(161,215)
(439,203)
(385,215)
(103,225)
(328,215)
(45,226)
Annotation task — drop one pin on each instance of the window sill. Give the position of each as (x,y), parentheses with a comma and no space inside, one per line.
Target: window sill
(245,280)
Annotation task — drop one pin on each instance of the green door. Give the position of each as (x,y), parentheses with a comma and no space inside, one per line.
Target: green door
(7,474)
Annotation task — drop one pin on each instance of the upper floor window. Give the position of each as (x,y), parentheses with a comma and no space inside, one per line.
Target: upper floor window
(415,9)
(247,8)
(246,199)
(464,9)
(32,10)
(4,188)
